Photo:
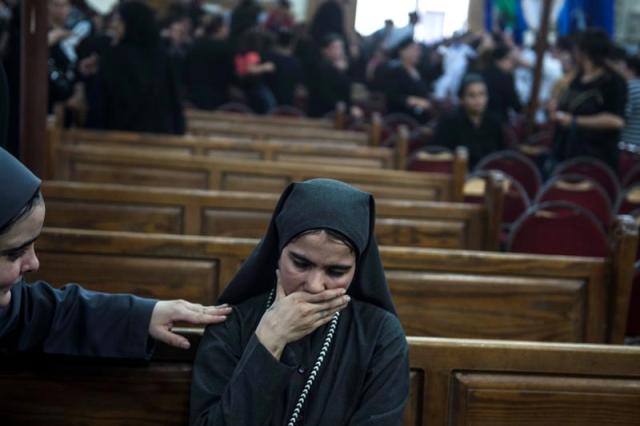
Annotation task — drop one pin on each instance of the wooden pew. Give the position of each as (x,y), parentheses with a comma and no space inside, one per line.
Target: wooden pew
(232,147)
(196,117)
(141,167)
(447,293)
(275,131)
(453,382)
(247,214)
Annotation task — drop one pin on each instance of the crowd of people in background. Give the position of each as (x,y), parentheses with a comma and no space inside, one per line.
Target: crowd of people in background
(134,70)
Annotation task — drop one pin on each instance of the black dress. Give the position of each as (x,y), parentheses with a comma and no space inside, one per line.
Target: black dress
(327,86)
(400,84)
(607,93)
(457,129)
(364,379)
(139,90)
(502,92)
(209,72)
(75,321)
(285,79)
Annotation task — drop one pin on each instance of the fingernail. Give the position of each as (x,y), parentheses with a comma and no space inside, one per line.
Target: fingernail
(185,345)
(347,299)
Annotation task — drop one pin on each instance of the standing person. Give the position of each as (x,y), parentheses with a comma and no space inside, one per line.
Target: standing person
(71,320)
(406,92)
(329,82)
(314,338)
(287,77)
(471,125)
(328,20)
(209,66)
(590,115)
(139,86)
(503,98)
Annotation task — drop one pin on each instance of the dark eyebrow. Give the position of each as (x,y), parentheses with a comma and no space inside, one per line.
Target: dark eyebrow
(20,247)
(301,258)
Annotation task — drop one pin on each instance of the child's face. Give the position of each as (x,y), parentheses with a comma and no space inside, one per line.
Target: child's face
(17,254)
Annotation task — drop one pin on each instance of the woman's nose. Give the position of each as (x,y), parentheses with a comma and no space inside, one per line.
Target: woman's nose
(30,262)
(315,282)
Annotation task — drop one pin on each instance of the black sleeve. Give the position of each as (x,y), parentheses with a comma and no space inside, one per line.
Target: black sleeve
(386,386)
(75,321)
(614,95)
(232,385)
(443,135)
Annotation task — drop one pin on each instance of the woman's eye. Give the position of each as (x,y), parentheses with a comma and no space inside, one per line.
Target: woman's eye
(15,254)
(336,273)
(300,265)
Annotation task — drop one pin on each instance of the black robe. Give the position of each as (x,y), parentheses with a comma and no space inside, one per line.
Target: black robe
(327,86)
(75,321)
(363,381)
(456,129)
(399,85)
(364,378)
(209,73)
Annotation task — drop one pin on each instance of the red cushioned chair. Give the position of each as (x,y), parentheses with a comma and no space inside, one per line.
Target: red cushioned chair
(236,107)
(558,228)
(633,320)
(516,166)
(628,201)
(632,177)
(432,159)
(594,169)
(286,111)
(579,190)
(516,201)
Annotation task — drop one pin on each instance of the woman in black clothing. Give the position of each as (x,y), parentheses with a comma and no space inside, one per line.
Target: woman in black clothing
(471,125)
(209,66)
(405,90)
(139,88)
(590,113)
(329,82)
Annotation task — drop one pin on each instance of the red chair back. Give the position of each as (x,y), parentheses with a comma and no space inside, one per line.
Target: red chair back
(517,166)
(632,177)
(629,200)
(395,120)
(558,228)
(581,191)
(516,201)
(594,169)
(432,159)
(633,320)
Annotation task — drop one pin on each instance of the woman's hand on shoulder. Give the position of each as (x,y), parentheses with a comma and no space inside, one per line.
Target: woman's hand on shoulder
(293,316)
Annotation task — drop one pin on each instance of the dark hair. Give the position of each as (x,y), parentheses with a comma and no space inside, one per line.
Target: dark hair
(565,43)
(595,45)
(328,39)
(467,81)
(500,52)
(140,25)
(284,37)
(213,25)
(617,53)
(331,234)
(34,201)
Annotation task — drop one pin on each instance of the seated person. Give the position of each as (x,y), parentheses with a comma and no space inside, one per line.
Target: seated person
(406,92)
(314,338)
(471,125)
(71,320)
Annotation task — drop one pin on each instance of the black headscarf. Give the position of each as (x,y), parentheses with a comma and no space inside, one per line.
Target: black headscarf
(140,25)
(317,204)
(17,186)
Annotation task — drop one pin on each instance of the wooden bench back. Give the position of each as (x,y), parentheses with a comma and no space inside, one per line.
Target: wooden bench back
(453,382)
(143,167)
(195,117)
(247,214)
(233,147)
(447,293)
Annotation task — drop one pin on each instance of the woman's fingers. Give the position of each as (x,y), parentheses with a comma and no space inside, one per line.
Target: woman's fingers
(324,296)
